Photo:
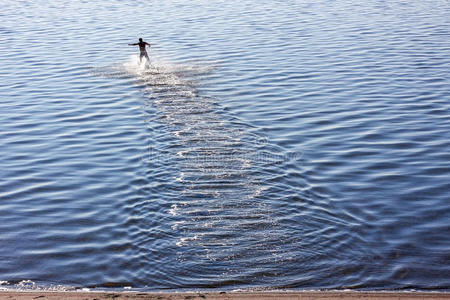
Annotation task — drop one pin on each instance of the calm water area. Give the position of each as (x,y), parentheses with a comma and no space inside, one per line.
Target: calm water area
(269,145)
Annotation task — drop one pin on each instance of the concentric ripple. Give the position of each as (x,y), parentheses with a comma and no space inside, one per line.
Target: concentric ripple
(210,212)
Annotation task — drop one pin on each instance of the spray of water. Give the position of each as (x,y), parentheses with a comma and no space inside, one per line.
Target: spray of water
(213,205)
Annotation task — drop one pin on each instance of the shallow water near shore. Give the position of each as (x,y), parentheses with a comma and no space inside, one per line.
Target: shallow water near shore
(290,145)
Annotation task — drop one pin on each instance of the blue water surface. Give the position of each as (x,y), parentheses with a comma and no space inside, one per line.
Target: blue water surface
(269,144)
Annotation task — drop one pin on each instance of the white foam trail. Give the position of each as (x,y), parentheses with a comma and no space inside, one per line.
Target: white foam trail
(214,159)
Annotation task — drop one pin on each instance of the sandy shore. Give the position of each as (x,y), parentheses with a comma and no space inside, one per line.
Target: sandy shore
(231,295)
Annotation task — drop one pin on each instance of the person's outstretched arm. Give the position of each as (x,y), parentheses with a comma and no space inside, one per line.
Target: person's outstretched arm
(135,44)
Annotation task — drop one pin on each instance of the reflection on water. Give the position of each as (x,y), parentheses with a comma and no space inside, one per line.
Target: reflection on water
(216,212)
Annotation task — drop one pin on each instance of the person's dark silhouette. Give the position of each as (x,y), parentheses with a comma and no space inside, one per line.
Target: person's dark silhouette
(142,45)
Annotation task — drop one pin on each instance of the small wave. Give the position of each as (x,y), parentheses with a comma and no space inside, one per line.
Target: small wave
(29,285)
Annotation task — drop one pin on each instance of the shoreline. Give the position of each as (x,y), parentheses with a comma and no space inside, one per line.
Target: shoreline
(316,295)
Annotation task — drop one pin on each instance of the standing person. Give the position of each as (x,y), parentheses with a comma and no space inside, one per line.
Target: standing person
(142,45)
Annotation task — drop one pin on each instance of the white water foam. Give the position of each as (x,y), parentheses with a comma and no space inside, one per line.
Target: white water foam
(215,159)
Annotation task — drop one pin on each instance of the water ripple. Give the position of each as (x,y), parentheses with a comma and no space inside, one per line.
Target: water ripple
(279,145)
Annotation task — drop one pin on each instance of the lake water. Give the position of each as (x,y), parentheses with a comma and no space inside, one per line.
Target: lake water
(270,144)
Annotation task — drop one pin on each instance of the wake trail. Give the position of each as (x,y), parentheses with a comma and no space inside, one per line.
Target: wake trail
(208,173)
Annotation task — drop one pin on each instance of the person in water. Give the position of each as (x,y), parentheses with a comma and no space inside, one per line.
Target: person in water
(142,45)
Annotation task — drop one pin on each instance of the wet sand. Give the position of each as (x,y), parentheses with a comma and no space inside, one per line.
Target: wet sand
(222,296)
